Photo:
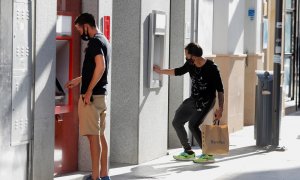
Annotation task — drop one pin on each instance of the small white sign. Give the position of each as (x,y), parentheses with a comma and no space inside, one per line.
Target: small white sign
(277,49)
(279,25)
(64,25)
(277,59)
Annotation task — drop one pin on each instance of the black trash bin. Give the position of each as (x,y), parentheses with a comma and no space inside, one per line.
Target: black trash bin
(263,108)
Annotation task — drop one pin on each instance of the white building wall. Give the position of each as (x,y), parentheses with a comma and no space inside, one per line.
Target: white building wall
(228,27)
(259,25)
(153,117)
(43,140)
(205,26)
(253,31)
(236,26)
(220,27)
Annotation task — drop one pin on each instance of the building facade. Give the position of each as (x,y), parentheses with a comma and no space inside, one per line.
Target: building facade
(39,45)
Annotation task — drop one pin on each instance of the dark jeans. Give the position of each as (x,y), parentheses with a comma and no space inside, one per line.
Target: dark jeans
(187,113)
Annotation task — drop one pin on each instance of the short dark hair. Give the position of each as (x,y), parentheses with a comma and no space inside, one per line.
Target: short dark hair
(85,18)
(194,49)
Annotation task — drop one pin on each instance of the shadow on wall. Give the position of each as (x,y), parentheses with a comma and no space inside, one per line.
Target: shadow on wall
(12,161)
(45,67)
(43,76)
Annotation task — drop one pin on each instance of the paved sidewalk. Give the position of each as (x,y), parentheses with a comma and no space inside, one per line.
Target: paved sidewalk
(244,162)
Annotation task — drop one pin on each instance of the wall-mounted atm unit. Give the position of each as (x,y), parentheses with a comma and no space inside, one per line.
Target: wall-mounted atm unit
(157,46)
(66,124)
(64,59)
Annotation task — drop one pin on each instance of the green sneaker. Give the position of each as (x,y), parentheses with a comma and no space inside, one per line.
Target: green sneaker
(204,158)
(185,157)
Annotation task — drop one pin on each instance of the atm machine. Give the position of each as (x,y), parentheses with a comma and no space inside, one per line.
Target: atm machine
(157,46)
(68,66)
(64,61)
(66,125)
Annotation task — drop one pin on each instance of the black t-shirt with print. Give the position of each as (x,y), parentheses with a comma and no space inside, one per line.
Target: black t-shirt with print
(206,80)
(98,45)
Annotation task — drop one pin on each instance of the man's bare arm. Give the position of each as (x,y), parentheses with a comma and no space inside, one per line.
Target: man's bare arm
(221,100)
(219,111)
(98,72)
(158,70)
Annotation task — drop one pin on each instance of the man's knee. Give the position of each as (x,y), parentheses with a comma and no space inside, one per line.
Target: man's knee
(193,127)
(176,123)
(102,137)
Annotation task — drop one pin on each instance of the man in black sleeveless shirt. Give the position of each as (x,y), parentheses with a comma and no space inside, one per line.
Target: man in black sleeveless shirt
(92,101)
(206,81)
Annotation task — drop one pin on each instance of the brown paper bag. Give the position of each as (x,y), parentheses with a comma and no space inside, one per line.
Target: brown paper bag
(215,139)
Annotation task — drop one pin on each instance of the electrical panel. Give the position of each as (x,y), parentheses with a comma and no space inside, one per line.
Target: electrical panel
(21,72)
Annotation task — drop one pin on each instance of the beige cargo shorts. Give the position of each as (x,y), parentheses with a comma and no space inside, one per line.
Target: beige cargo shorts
(92,116)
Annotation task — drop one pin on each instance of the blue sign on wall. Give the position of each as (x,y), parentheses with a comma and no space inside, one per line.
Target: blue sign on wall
(251,13)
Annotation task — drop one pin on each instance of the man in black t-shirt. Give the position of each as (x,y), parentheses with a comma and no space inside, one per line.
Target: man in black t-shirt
(92,101)
(206,81)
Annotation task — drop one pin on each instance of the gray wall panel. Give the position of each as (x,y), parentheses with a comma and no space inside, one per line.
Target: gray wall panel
(136,111)
(125,80)
(153,118)
(21,73)
(45,50)
(13,159)
(177,30)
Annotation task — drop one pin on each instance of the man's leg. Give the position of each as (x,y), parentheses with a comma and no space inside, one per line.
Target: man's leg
(95,149)
(196,120)
(181,117)
(194,124)
(104,157)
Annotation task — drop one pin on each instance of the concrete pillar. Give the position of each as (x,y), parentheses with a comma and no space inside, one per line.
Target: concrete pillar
(125,80)
(220,27)
(44,101)
(232,69)
(139,115)
(205,26)
(228,46)
(187,39)
(10,156)
(254,61)
(34,160)
(177,37)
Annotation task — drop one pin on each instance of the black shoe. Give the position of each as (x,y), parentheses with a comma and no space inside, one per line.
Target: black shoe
(105,178)
(89,177)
